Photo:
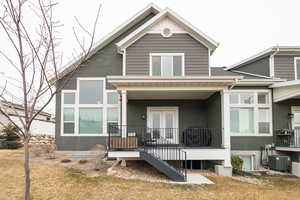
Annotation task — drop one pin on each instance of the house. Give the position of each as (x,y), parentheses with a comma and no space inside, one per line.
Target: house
(43,124)
(148,92)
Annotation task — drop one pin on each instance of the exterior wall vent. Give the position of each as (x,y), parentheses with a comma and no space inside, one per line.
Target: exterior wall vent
(166,32)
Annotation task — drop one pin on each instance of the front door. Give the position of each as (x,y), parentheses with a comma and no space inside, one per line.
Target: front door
(163,124)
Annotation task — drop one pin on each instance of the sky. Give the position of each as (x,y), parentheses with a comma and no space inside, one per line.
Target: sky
(243,28)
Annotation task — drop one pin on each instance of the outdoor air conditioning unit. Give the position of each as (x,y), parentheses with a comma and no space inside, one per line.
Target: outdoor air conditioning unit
(279,163)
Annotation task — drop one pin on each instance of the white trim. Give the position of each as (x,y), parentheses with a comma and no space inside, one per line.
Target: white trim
(124,111)
(226,137)
(256,108)
(139,32)
(257,75)
(124,63)
(295,67)
(209,68)
(167,54)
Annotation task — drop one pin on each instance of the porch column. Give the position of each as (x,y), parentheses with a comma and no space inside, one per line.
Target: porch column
(226,127)
(124,113)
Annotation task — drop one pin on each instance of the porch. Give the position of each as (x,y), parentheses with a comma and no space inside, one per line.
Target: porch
(187,113)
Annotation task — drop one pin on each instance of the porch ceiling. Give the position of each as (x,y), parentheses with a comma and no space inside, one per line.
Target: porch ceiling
(138,95)
(172,83)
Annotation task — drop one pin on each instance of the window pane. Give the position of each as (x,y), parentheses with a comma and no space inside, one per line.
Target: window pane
(90,120)
(167,68)
(69,98)
(69,127)
(242,120)
(297,119)
(113,114)
(68,114)
(264,120)
(177,65)
(247,163)
(263,98)
(234,98)
(169,120)
(112,98)
(246,98)
(155,120)
(156,68)
(91,92)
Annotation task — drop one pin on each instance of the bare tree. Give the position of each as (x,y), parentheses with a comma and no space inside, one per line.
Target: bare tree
(32,32)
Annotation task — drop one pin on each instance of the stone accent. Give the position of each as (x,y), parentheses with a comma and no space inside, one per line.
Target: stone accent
(41,139)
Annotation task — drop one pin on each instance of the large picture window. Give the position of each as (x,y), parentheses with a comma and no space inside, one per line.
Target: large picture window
(250,113)
(88,110)
(167,64)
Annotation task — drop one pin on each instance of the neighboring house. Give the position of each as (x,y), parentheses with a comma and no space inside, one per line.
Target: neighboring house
(44,123)
(148,91)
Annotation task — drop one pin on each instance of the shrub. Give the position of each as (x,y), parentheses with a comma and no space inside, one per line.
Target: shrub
(237,164)
(10,138)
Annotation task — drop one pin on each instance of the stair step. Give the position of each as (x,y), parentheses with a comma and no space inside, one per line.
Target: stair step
(162,166)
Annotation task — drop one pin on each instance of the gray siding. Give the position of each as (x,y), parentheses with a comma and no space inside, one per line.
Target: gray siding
(260,67)
(284,67)
(250,143)
(196,54)
(105,62)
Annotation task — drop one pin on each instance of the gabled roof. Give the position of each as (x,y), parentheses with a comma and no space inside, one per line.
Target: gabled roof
(192,30)
(267,52)
(151,8)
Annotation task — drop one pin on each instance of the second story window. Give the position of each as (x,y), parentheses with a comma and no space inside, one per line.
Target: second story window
(166,64)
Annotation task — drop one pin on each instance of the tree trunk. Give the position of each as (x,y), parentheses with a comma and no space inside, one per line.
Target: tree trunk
(26,169)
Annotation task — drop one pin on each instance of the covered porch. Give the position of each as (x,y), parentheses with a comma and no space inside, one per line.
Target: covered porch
(185,112)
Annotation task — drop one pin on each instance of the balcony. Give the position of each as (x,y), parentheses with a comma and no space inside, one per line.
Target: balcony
(288,138)
(131,137)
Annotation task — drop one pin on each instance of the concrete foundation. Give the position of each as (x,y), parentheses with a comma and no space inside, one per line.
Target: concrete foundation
(296,169)
(223,171)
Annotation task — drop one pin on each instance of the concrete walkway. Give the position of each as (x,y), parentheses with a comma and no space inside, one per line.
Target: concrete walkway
(195,179)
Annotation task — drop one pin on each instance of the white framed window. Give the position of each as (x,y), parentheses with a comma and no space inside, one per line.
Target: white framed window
(250,113)
(248,162)
(166,64)
(297,68)
(87,110)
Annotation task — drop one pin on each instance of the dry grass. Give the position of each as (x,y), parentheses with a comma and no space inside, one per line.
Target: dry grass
(56,182)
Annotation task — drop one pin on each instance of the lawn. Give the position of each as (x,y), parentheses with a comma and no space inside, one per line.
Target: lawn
(56,182)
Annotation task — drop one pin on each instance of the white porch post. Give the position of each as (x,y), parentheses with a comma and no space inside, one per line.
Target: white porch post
(124,113)
(226,127)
